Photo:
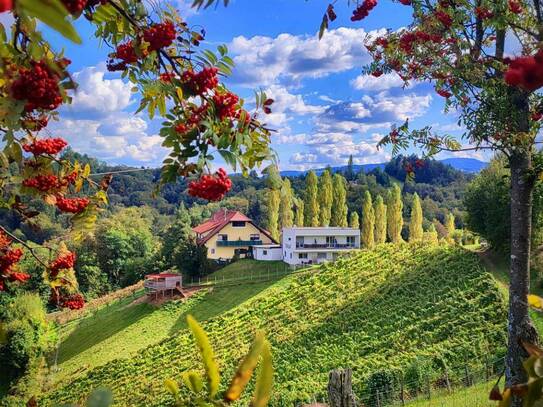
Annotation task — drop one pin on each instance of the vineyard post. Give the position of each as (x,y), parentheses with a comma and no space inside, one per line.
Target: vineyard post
(447,380)
(340,388)
(428,394)
(378,398)
(402,398)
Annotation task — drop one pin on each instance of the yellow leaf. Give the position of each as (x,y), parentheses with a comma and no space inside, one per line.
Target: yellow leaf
(264,382)
(193,381)
(172,387)
(245,369)
(86,171)
(506,398)
(211,367)
(179,92)
(535,301)
(50,199)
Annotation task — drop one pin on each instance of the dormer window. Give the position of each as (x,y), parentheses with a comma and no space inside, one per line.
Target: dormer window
(238,224)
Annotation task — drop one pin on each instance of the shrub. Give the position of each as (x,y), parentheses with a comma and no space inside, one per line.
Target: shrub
(417,374)
(380,387)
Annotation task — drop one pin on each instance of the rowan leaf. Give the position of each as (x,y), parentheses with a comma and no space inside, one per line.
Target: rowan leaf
(245,369)
(208,357)
(193,381)
(264,382)
(172,387)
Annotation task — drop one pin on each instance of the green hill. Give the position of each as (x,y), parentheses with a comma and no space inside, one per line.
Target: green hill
(377,309)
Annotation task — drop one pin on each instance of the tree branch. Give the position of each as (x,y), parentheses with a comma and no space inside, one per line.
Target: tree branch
(30,249)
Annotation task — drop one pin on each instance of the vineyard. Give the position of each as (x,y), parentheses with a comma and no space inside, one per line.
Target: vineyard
(379,309)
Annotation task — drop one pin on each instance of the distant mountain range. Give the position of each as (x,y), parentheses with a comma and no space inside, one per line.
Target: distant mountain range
(470,165)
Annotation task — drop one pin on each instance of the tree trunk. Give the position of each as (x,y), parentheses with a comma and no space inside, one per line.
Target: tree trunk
(520,327)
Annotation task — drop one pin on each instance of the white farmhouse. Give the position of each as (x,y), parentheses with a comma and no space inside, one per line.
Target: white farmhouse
(306,245)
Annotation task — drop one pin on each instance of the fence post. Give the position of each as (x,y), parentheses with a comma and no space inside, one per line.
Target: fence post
(378,398)
(428,387)
(402,399)
(447,381)
(340,388)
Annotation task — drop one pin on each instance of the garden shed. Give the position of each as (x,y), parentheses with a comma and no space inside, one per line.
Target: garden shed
(156,284)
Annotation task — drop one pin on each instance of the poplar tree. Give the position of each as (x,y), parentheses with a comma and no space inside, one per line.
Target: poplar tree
(311,203)
(339,203)
(299,214)
(368,221)
(285,209)
(274,200)
(449,225)
(354,221)
(394,214)
(380,210)
(415,223)
(325,198)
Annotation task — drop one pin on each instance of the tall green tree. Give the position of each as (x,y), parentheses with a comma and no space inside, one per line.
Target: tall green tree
(350,174)
(274,201)
(368,221)
(285,210)
(339,203)
(450,226)
(394,214)
(311,202)
(415,223)
(299,214)
(325,198)
(354,222)
(380,220)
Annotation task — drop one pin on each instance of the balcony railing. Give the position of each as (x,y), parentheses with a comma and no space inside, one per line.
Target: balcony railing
(325,246)
(238,243)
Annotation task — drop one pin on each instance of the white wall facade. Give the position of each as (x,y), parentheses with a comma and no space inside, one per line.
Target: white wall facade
(268,252)
(306,245)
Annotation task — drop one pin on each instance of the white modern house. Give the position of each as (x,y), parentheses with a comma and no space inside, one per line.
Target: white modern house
(310,245)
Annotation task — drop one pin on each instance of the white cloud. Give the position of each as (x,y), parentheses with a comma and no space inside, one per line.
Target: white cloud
(262,60)
(371,83)
(286,105)
(286,138)
(97,96)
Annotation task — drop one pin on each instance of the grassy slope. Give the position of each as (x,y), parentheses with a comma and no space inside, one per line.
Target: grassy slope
(380,308)
(122,329)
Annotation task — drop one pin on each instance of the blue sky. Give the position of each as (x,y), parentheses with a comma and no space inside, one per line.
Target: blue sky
(325,109)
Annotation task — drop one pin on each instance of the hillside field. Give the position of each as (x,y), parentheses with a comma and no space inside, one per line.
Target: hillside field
(380,308)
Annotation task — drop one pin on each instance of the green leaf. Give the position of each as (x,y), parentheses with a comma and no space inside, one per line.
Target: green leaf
(193,381)
(53,14)
(229,157)
(100,398)
(245,369)
(210,365)
(172,387)
(264,382)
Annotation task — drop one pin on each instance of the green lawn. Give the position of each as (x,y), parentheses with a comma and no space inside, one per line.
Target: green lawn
(476,396)
(247,269)
(121,329)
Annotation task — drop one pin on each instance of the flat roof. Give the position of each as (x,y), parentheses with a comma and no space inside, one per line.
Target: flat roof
(162,275)
(320,228)
(268,246)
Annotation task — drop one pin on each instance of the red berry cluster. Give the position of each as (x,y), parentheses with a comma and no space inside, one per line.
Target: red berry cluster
(443,92)
(405,2)
(8,259)
(6,5)
(73,301)
(444,18)
(225,105)
(211,187)
(377,73)
(43,183)
(199,83)
(526,72)
(363,10)
(409,39)
(515,6)
(46,146)
(62,262)
(74,6)
(536,116)
(37,85)
(167,77)
(72,205)
(160,35)
(483,13)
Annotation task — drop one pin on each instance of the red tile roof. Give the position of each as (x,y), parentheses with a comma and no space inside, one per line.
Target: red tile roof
(219,220)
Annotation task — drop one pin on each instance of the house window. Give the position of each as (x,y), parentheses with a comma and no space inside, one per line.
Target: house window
(238,224)
(302,255)
(212,251)
(350,240)
(331,240)
(321,256)
(223,238)
(255,236)
(265,252)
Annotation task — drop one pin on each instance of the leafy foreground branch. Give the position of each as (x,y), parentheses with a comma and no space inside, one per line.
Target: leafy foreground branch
(194,392)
